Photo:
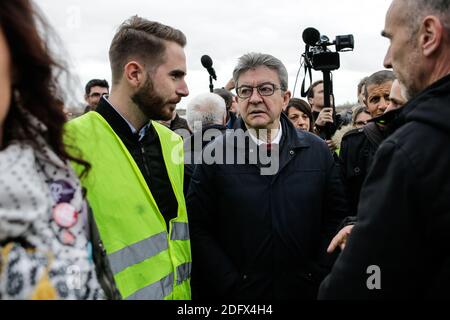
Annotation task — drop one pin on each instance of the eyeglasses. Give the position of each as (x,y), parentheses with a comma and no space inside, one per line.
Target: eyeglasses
(264,89)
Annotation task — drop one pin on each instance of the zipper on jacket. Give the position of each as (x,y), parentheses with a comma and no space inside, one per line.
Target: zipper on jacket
(144,160)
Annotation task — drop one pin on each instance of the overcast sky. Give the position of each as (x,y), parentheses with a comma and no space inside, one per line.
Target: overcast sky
(225,30)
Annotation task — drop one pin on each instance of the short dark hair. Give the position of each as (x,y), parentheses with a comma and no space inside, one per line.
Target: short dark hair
(378,78)
(139,38)
(303,106)
(226,95)
(95,83)
(310,92)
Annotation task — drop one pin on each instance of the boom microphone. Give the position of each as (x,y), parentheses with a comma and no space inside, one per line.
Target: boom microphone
(311,36)
(207,63)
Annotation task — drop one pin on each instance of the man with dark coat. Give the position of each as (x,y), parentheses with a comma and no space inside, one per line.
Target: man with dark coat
(262,213)
(206,115)
(398,249)
(358,146)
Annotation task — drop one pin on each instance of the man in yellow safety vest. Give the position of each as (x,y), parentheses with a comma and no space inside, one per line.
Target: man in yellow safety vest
(135,184)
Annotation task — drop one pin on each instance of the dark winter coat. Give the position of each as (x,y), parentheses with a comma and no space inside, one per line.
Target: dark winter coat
(358,148)
(403,228)
(259,236)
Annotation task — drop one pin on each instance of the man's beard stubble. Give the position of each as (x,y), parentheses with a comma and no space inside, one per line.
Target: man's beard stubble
(150,103)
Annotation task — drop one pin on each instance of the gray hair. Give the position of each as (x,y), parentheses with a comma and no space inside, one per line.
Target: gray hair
(416,10)
(378,78)
(253,60)
(204,110)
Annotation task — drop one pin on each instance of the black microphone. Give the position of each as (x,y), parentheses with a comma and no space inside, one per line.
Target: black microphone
(207,63)
(311,36)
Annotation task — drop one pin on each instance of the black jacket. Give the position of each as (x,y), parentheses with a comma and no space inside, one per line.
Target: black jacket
(404,213)
(193,147)
(259,236)
(358,150)
(355,157)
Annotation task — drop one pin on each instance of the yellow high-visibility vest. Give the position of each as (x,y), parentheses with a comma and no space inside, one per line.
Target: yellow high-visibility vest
(147,260)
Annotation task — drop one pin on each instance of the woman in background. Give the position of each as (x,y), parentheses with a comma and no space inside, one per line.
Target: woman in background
(360,116)
(299,112)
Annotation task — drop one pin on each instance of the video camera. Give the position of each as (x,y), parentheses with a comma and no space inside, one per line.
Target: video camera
(317,54)
(319,57)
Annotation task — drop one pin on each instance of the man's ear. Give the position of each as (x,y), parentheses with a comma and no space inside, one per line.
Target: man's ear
(286,98)
(86,98)
(431,35)
(134,73)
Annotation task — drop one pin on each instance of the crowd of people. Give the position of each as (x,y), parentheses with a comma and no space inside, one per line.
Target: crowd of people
(248,198)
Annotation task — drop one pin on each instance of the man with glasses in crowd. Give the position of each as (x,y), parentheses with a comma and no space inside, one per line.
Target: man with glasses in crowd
(95,89)
(256,233)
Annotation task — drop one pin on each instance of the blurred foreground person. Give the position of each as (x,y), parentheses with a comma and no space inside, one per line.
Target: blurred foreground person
(43,242)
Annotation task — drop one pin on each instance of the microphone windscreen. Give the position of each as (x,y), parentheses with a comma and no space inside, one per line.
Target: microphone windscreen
(206,61)
(311,36)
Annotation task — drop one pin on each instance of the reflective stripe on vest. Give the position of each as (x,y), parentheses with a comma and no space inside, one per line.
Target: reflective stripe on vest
(180,231)
(147,262)
(138,252)
(155,291)
(183,272)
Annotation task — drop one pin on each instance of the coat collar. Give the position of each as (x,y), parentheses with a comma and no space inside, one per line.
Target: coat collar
(118,123)
(292,138)
(431,106)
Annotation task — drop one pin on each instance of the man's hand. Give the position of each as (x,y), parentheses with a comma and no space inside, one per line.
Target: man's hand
(331,145)
(325,115)
(340,239)
(230,85)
